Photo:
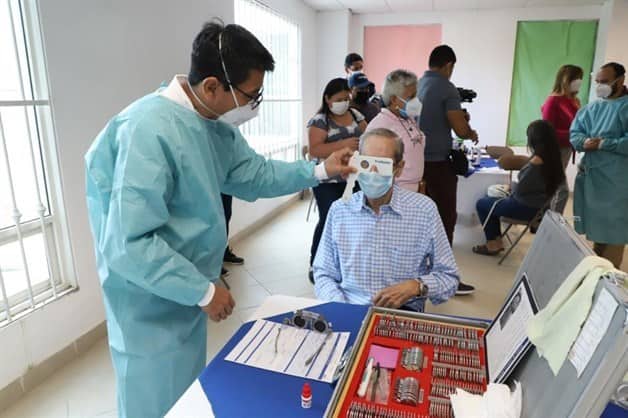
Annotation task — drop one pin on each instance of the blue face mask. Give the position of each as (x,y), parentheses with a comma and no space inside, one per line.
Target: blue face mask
(374,185)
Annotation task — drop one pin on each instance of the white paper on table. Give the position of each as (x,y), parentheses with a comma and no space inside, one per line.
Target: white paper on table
(294,347)
(593,330)
(193,403)
(491,169)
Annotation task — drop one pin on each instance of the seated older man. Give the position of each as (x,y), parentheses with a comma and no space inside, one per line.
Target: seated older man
(386,246)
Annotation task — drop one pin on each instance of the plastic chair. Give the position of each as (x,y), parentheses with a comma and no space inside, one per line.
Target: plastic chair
(533,223)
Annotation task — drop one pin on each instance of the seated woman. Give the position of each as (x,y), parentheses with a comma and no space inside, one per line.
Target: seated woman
(539,180)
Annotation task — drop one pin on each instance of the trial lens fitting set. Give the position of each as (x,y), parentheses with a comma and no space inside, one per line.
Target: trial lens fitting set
(456,363)
(363,410)
(429,333)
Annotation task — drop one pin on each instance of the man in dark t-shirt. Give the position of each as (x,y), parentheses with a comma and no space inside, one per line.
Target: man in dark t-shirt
(440,114)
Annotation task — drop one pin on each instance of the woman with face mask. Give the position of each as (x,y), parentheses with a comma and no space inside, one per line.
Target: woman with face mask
(539,180)
(561,106)
(560,109)
(400,115)
(335,126)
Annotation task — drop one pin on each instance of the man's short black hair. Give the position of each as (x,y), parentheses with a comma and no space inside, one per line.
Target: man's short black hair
(241,52)
(441,56)
(351,58)
(617,67)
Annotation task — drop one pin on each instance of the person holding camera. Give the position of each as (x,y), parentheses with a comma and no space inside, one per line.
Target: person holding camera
(441,113)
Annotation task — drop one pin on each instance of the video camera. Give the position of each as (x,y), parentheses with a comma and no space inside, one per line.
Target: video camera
(466,95)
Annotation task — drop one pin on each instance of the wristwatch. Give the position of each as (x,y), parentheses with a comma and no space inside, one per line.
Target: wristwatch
(422,289)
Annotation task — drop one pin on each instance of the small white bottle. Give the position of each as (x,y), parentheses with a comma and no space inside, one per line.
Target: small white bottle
(306,396)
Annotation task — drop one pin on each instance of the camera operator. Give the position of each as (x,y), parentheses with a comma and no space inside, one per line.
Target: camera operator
(441,113)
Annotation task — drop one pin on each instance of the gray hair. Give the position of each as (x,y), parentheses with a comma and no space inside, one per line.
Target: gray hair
(396,82)
(386,133)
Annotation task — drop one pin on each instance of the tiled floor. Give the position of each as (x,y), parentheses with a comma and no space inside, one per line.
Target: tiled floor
(276,263)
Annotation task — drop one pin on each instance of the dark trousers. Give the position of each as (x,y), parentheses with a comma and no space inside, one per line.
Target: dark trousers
(508,207)
(441,186)
(227,201)
(325,194)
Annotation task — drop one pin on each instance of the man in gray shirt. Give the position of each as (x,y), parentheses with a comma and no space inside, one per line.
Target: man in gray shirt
(441,113)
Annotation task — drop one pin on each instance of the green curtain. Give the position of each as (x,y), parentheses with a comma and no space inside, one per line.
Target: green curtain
(541,48)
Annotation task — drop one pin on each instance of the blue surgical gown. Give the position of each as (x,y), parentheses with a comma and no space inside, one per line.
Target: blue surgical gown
(154,178)
(601,188)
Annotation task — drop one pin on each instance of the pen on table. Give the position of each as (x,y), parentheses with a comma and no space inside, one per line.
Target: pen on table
(277,338)
(313,356)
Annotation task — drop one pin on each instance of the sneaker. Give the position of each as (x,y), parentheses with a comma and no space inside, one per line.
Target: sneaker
(224,272)
(231,258)
(464,289)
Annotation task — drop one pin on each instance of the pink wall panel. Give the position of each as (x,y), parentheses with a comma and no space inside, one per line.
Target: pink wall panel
(387,48)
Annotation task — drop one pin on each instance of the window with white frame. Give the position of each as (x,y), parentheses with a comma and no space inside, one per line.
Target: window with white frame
(31,241)
(277,130)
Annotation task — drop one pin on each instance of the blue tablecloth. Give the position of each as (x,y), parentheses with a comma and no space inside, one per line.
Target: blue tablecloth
(614,411)
(484,163)
(234,389)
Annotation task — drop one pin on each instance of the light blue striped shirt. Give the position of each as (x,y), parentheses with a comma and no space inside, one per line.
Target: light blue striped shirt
(361,253)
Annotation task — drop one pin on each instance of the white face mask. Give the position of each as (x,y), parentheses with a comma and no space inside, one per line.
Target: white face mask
(339,108)
(240,114)
(604,90)
(574,86)
(234,117)
(412,109)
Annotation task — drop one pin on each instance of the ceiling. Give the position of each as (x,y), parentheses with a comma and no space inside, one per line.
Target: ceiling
(397,6)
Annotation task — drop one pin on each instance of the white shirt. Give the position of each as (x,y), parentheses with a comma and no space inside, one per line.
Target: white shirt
(175,92)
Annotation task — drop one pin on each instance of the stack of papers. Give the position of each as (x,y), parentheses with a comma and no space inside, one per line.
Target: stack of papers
(593,330)
(289,350)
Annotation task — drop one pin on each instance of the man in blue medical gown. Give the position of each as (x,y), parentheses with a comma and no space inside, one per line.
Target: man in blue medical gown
(154,178)
(600,200)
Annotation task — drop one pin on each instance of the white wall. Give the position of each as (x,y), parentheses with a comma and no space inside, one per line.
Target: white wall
(102,56)
(333,45)
(616,48)
(484,41)
(245,214)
